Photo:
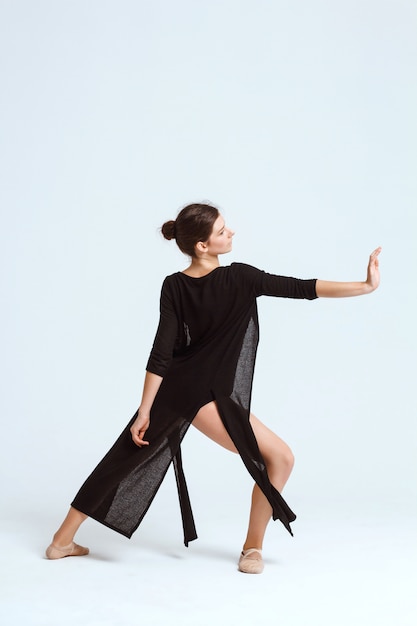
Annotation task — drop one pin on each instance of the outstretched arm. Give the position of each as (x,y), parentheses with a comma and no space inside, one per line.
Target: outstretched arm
(329,289)
(141,423)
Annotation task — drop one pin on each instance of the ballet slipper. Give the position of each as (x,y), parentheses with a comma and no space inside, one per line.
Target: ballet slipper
(72,549)
(251,565)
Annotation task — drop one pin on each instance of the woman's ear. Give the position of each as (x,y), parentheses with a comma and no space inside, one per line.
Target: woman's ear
(200,246)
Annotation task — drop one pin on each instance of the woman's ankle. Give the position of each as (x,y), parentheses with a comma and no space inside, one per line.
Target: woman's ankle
(60,540)
(257,545)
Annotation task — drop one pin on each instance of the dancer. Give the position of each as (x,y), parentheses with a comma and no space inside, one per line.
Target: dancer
(200,372)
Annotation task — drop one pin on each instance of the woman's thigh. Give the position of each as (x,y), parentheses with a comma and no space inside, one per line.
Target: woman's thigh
(209,422)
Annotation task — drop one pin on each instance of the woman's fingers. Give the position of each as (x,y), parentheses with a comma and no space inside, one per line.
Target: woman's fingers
(138,438)
(373,269)
(138,432)
(141,440)
(373,259)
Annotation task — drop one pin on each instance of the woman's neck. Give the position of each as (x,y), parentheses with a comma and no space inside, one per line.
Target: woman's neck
(201,266)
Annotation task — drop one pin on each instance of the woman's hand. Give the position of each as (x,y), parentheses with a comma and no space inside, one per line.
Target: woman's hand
(372,279)
(142,421)
(331,289)
(139,428)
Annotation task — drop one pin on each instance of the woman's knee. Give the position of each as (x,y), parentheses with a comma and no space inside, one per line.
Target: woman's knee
(288,458)
(282,459)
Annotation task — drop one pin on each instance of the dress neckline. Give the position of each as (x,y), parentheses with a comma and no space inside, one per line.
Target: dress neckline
(200,277)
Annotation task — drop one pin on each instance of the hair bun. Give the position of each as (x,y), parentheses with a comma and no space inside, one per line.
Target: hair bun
(168,229)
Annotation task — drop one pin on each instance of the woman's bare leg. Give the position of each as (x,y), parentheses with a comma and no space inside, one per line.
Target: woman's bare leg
(63,544)
(278,458)
(66,532)
(279,462)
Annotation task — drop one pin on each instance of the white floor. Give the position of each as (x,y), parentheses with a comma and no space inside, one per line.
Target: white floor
(336,571)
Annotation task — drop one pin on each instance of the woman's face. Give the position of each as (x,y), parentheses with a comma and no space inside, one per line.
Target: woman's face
(220,240)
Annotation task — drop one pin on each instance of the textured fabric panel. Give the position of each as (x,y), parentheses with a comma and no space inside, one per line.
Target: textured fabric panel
(121,488)
(242,385)
(136,492)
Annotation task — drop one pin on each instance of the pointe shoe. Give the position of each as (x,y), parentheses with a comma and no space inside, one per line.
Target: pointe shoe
(251,565)
(72,549)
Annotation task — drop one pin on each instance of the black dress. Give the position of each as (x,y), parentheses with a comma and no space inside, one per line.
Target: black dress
(205,349)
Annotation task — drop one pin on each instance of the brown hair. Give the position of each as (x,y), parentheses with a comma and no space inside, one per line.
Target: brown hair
(194,223)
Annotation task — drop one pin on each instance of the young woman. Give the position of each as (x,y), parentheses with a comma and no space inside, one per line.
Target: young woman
(200,372)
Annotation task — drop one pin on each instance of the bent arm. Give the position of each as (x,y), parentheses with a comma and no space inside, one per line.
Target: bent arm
(330,289)
(158,363)
(150,389)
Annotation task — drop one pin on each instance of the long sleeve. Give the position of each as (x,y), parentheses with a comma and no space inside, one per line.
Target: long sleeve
(166,335)
(264,284)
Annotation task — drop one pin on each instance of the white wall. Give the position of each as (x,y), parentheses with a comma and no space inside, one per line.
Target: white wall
(298,120)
